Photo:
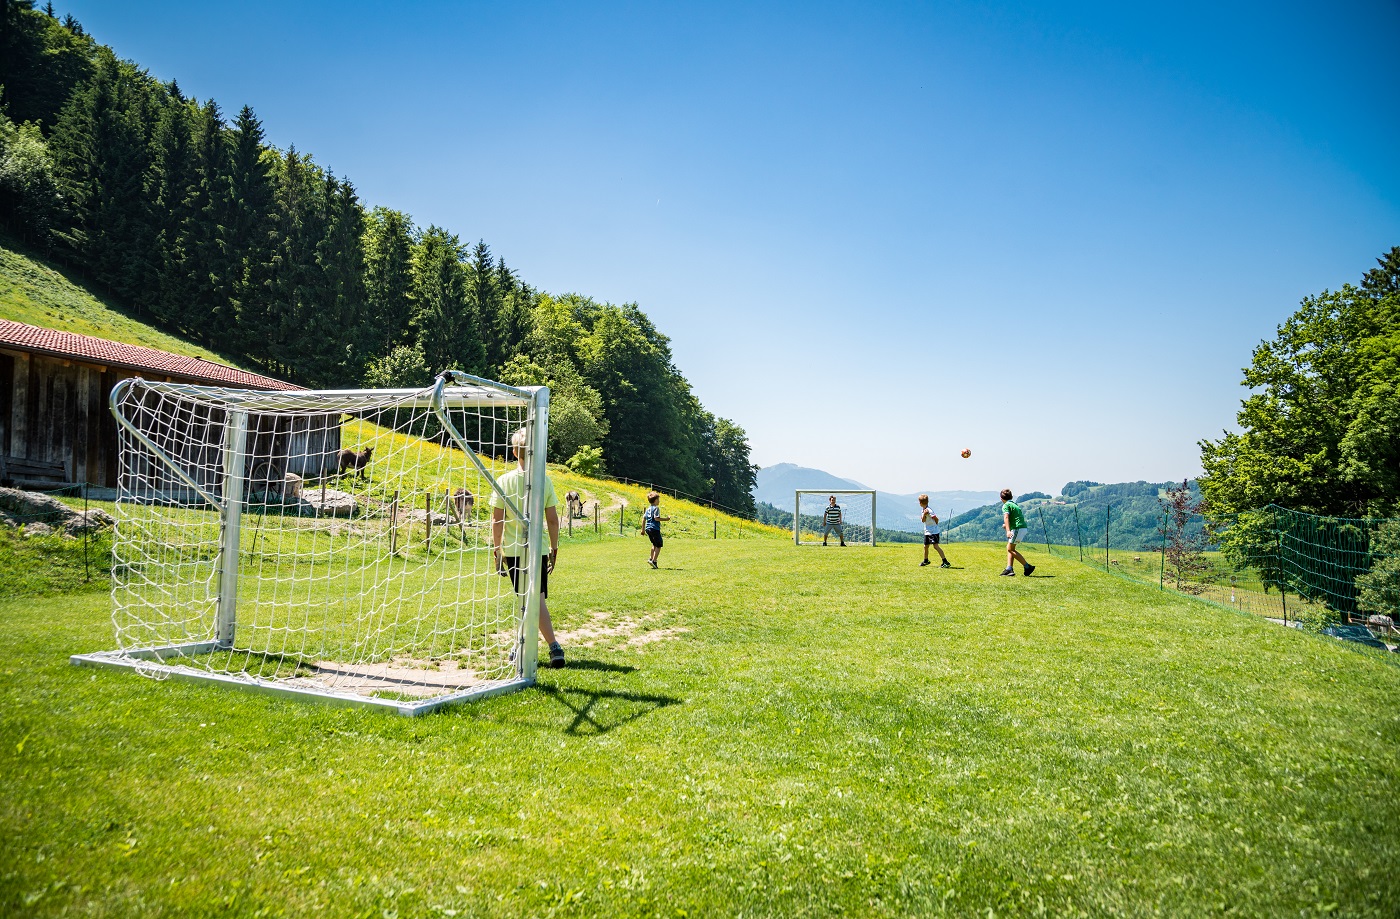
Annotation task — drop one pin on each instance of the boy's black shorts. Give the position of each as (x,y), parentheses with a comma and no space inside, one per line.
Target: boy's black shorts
(655,537)
(513,566)
(931,539)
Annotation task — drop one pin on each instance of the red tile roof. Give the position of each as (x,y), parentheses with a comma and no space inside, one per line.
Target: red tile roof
(131,357)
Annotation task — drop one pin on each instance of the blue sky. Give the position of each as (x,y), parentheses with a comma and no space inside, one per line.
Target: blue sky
(876,233)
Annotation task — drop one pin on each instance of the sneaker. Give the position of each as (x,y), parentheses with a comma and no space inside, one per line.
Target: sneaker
(946,564)
(652,564)
(823,542)
(1027,570)
(556,656)
(843,545)
(1008,573)
(923,563)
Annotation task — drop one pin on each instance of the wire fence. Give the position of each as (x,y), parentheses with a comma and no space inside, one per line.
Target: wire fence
(1325,573)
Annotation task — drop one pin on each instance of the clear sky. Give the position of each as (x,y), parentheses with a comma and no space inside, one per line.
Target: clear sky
(875,233)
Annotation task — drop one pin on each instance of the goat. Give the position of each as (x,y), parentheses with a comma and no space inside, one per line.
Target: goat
(463,503)
(355,462)
(574,503)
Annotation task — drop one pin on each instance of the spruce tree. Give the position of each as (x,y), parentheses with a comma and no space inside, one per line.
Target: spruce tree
(388,245)
(210,312)
(252,236)
(484,301)
(443,318)
(171,192)
(100,156)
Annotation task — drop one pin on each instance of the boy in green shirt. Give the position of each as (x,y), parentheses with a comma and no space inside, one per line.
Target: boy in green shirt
(1015,524)
(508,538)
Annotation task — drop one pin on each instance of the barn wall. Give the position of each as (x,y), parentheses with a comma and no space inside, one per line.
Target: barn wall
(57,410)
(7,391)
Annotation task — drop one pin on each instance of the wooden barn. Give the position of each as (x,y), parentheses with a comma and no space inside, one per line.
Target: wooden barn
(56,427)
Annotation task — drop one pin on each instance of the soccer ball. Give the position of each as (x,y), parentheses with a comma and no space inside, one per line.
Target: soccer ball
(966,453)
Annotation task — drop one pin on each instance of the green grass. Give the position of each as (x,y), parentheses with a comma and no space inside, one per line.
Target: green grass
(37,293)
(834,733)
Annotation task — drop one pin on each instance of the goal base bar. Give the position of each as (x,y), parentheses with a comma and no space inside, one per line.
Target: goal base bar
(149,661)
(867,544)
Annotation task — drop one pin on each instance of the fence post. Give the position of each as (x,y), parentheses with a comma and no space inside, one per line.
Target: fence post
(597,526)
(87,525)
(394,524)
(1162,578)
(716,522)
(427,518)
(1282,584)
(1078,532)
(1108,513)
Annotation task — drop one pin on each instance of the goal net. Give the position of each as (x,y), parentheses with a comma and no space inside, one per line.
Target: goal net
(850,519)
(331,544)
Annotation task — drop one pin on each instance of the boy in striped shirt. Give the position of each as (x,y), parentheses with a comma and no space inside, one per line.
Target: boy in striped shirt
(832,521)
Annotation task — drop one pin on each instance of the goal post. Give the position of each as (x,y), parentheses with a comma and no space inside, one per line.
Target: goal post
(854,524)
(333,545)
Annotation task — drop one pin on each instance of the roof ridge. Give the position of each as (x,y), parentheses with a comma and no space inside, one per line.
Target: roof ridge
(62,343)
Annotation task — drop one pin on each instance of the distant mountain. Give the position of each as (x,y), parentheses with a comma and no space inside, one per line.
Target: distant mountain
(1131,511)
(776,485)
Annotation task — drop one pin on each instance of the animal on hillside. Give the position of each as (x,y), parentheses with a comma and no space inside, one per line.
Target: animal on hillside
(463,503)
(574,504)
(355,462)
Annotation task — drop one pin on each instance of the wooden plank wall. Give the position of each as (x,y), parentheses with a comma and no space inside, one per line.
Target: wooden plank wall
(55,410)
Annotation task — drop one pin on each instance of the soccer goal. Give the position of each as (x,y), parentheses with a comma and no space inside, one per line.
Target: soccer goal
(333,545)
(851,519)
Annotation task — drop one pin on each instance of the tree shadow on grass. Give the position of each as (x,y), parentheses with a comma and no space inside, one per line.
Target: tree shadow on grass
(597,711)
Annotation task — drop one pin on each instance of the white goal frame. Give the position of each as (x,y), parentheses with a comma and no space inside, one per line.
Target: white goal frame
(227,495)
(798,532)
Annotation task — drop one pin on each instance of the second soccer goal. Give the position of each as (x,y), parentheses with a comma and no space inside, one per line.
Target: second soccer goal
(833,518)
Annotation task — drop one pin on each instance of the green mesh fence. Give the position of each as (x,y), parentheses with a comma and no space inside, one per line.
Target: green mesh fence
(1294,567)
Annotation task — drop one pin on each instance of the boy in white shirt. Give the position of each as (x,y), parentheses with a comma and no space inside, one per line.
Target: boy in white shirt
(931,532)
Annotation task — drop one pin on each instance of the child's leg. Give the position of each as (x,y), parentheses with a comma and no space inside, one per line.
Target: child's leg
(546,624)
(940,552)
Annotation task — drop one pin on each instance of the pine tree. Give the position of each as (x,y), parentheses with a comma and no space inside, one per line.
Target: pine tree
(338,319)
(443,318)
(170,192)
(251,236)
(388,245)
(296,276)
(484,300)
(100,160)
(210,312)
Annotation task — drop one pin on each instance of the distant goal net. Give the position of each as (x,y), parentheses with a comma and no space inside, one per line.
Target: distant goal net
(334,545)
(834,517)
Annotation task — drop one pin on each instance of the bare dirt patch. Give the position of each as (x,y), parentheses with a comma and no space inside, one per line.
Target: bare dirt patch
(614,631)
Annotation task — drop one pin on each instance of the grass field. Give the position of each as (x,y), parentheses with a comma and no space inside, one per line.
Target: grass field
(755,729)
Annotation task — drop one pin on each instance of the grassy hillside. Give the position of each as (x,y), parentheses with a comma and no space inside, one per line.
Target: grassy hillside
(35,292)
(817,732)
